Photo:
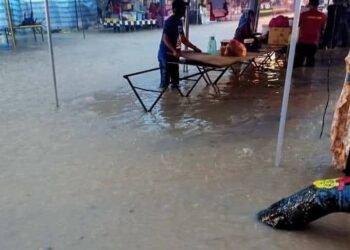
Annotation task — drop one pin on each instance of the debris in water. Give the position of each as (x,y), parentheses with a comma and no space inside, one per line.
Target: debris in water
(309,204)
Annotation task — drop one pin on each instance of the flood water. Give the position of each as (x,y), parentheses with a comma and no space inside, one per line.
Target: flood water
(100,173)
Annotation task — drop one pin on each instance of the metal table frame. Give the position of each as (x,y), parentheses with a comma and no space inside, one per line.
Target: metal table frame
(192,77)
(34,28)
(203,70)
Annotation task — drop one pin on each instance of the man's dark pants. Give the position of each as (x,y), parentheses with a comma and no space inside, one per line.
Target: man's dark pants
(305,51)
(168,71)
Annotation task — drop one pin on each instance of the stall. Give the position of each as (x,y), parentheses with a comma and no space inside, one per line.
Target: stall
(21,16)
(127,15)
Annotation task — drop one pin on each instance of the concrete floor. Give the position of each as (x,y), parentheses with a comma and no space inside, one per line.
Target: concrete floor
(99,173)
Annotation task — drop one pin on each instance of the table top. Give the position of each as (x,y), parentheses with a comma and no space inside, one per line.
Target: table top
(28,26)
(214,60)
(264,46)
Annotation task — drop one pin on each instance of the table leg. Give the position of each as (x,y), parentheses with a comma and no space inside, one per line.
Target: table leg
(143,89)
(42,35)
(34,34)
(155,102)
(205,75)
(246,67)
(207,79)
(215,83)
(7,36)
(194,85)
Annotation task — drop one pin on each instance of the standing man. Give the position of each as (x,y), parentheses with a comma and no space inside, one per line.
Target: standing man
(170,45)
(312,23)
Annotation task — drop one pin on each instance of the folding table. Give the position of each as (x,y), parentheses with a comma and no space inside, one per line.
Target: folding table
(34,27)
(204,63)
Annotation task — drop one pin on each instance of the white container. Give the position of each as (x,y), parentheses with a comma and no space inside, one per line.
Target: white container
(264,29)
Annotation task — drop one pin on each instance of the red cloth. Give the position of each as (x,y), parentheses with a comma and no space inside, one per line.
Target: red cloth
(311,24)
(218,13)
(279,22)
(235,48)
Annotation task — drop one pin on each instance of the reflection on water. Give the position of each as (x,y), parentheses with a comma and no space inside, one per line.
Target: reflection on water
(204,110)
(242,105)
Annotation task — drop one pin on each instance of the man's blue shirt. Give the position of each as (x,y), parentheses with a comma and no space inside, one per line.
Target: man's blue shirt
(172,28)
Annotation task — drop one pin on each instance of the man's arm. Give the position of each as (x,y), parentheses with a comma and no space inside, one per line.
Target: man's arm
(187,43)
(167,43)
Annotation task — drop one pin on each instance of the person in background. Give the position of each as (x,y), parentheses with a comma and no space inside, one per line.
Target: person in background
(170,45)
(337,31)
(160,15)
(312,23)
(245,27)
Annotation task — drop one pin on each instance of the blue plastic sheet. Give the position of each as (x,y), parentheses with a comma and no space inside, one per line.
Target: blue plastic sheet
(64,14)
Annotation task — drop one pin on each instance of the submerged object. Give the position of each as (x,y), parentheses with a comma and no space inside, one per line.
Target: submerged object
(321,198)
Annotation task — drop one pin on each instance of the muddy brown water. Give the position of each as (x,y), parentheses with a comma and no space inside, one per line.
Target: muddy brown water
(99,173)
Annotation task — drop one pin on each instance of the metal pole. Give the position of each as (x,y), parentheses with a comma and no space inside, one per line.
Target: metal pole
(254,5)
(81,19)
(187,22)
(287,84)
(197,12)
(187,30)
(10,25)
(49,39)
(76,14)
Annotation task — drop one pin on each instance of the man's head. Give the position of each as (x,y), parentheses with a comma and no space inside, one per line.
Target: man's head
(179,7)
(314,3)
(251,15)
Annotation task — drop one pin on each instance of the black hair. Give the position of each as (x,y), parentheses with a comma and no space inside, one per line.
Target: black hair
(250,13)
(314,3)
(178,5)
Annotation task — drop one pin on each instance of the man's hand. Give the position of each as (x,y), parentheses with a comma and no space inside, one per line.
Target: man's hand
(176,53)
(197,49)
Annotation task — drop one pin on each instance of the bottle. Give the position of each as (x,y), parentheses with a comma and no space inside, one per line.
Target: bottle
(212,49)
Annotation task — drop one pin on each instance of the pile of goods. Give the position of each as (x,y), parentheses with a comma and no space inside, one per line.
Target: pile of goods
(233,48)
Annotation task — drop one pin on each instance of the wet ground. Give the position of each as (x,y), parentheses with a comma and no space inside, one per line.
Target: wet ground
(99,173)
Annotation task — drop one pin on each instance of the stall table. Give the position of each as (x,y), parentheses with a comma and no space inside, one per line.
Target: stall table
(204,63)
(35,28)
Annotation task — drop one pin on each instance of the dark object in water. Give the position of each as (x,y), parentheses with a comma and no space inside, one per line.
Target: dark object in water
(298,210)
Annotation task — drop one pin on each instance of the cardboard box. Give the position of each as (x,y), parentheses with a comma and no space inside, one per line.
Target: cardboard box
(279,36)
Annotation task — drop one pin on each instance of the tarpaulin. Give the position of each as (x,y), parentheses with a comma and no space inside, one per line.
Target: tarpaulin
(63,13)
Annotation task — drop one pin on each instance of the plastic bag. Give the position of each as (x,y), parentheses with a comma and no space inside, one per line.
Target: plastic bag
(279,22)
(235,48)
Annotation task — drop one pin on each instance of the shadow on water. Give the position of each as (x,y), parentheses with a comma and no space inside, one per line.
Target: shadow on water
(331,231)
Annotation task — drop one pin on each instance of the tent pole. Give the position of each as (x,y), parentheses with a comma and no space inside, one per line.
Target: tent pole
(9,20)
(81,19)
(197,11)
(187,22)
(187,30)
(254,6)
(76,14)
(49,39)
(287,83)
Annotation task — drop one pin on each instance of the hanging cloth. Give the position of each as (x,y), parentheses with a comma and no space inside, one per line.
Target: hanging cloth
(340,134)
(218,9)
